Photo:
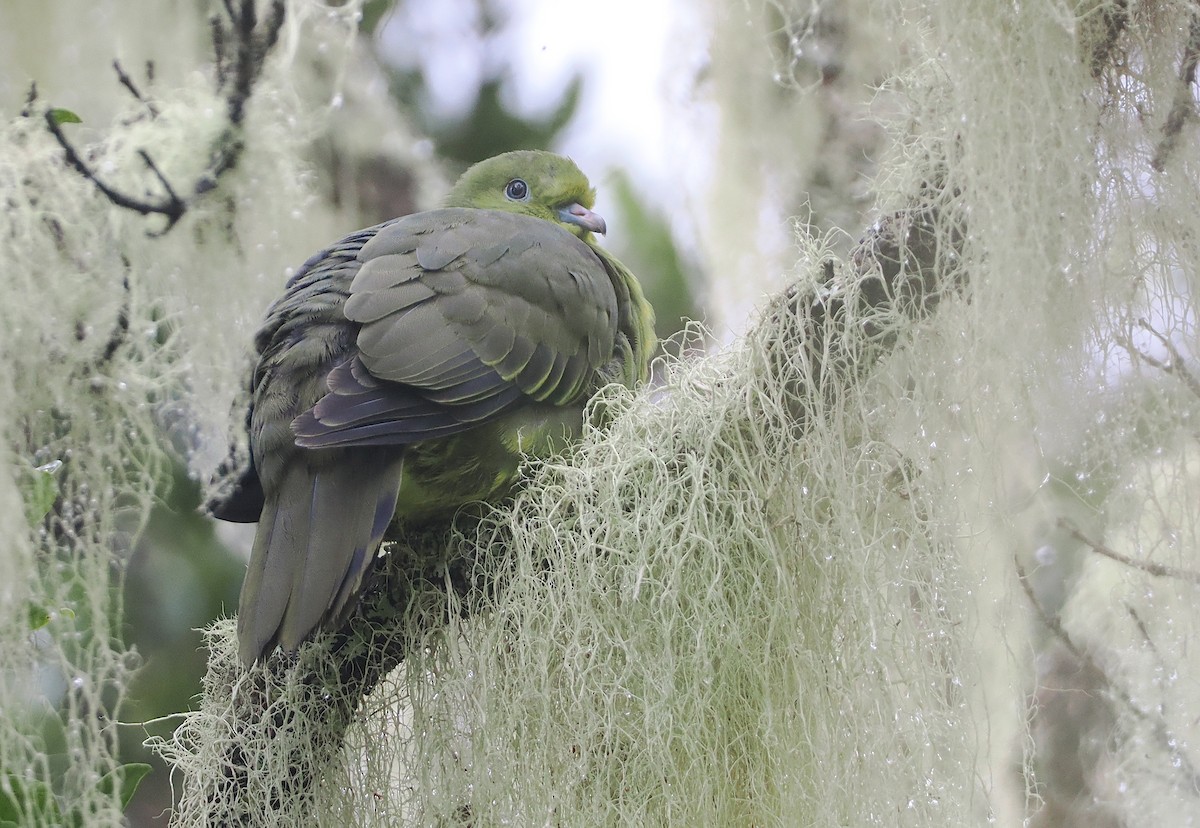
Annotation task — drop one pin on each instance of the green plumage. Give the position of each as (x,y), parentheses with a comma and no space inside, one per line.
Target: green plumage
(408,368)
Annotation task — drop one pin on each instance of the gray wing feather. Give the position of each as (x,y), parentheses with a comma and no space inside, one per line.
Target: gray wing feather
(464,314)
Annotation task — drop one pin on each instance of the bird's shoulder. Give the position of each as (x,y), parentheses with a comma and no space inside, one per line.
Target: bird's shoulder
(487,246)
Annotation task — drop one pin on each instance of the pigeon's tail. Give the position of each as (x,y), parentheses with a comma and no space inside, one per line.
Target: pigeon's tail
(317,538)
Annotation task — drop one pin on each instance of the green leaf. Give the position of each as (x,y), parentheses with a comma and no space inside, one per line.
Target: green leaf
(64,116)
(38,616)
(22,800)
(39,489)
(124,781)
(373,13)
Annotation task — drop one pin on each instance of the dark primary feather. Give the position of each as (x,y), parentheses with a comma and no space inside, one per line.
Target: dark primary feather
(404,372)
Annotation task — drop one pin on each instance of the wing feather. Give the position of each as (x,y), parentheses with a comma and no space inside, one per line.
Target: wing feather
(463,314)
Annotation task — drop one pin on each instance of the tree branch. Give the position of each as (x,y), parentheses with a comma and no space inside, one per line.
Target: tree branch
(126,81)
(171,207)
(252,43)
(1183,108)
(1175,365)
(830,335)
(1149,567)
(1167,740)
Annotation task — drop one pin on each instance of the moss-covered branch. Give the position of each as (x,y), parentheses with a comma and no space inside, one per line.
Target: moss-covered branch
(286,719)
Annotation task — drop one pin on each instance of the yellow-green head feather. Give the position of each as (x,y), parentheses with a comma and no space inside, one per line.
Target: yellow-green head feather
(533,183)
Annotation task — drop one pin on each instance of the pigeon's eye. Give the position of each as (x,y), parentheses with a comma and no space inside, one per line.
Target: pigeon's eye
(517,190)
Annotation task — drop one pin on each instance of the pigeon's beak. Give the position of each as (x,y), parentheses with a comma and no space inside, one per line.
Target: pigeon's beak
(583,217)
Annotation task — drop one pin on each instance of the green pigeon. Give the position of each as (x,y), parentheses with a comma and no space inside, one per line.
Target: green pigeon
(408,369)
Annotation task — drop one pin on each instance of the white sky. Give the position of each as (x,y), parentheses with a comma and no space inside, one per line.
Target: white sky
(641,106)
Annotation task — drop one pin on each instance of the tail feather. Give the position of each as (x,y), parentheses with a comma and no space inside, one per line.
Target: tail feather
(385,510)
(320,530)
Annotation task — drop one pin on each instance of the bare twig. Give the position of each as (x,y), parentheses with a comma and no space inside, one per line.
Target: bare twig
(251,44)
(120,331)
(172,207)
(271,31)
(220,58)
(1149,567)
(1175,365)
(1051,622)
(126,81)
(162,179)
(251,48)
(30,99)
(1144,630)
(242,23)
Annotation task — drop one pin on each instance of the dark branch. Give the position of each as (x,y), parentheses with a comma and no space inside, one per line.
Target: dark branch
(1051,622)
(1183,107)
(171,207)
(128,83)
(323,684)
(1111,21)
(251,44)
(30,99)
(1166,739)
(252,48)
(243,68)
(220,59)
(120,331)
(834,333)
(162,179)
(270,34)
(1144,630)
